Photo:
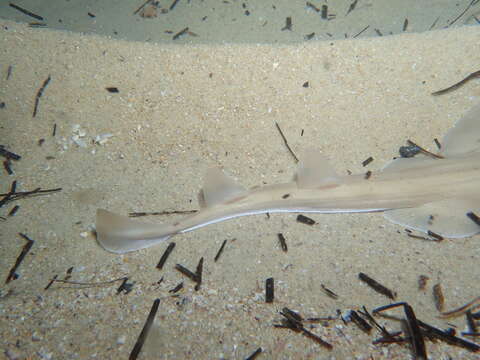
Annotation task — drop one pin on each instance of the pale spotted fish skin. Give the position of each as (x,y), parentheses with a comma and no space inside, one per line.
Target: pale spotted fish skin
(421,193)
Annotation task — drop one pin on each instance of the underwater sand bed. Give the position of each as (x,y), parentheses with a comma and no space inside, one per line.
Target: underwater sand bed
(178,111)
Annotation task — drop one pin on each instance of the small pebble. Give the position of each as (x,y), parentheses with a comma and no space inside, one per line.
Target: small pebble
(102,139)
(12,355)
(121,340)
(79,142)
(46,356)
(409,151)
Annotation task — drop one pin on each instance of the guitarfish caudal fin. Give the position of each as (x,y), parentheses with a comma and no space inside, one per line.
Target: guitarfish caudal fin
(120,234)
(317,188)
(446,217)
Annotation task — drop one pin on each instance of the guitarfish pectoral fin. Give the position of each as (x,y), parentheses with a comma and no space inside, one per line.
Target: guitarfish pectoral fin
(447,218)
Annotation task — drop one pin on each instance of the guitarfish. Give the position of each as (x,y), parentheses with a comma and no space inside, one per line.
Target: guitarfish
(421,193)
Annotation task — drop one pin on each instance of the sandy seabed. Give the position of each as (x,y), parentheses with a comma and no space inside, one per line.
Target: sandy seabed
(180,110)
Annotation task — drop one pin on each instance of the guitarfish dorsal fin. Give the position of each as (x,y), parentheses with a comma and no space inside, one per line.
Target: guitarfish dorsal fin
(218,188)
(464,137)
(314,170)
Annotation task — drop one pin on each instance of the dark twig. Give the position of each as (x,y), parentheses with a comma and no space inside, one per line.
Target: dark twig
(438,297)
(254,354)
(416,336)
(83,285)
(329,292)
(433,332)
(39,95)
(26,12)
(220,251)
(165,255)
(305,220)
(269,290)
(473,2)
(125,286)
(474,217)
(14,210)
(188,273)
(375,285)
(13,195)
(7,165)
(283,242)
(462,309)
(176,288)
(7,197)
(379,327)
(351,7)
(173,5)
(360,322)
(434,23)
(424,151)
(12,275)
(199,273)
(8,154)
(455,86)
(180,33)
(361,31)
(286,142)
(9,72)
(294,321)
(144,333)
(173,212)
(141,7)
